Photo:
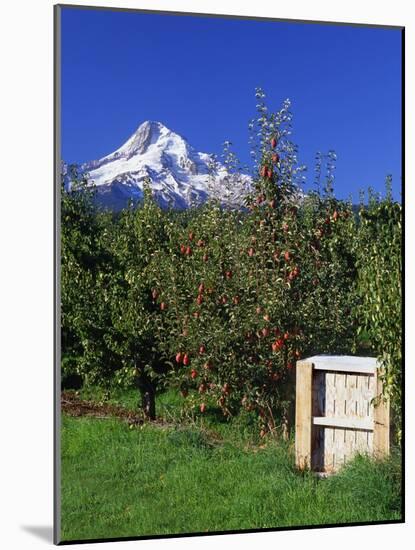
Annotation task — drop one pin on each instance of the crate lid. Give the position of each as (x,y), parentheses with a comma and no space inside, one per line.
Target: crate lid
(343,363)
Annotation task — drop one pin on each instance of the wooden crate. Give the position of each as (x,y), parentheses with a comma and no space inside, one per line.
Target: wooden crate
(335,415)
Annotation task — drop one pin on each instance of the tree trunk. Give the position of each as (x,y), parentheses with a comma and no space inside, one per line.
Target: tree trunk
(147,390)
(148,403)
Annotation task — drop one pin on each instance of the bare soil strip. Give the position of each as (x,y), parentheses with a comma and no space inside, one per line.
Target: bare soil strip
(73,405)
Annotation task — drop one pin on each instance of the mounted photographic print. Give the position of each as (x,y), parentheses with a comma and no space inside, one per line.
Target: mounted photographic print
(229,324)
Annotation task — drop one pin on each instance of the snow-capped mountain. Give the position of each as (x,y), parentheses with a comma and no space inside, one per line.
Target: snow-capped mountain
(179,175)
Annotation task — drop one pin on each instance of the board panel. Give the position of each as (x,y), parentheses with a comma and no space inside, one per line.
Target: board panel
(339,413)
(344,397)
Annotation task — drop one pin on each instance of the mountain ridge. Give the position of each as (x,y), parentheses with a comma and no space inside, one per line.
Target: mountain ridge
(179,175)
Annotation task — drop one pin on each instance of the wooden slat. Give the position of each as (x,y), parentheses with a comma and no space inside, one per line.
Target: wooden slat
(339,450)
(350,443)
(317,449)
(330,397)
(303,424)
(340,393)
(319,393)
(348,422)
(364,369)
(362,445)
(381,413)
(364,406)
(370,442)
(344,363)
(329,449)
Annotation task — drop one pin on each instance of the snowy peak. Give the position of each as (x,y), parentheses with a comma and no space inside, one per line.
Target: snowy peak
(152,143)
(179,175)
(148,133)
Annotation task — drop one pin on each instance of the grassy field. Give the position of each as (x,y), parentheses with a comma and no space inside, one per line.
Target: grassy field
(204,476)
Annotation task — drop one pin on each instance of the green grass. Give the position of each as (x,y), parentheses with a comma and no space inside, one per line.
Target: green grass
(205,476)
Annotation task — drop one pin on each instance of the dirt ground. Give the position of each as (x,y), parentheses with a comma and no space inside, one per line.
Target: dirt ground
(73,405)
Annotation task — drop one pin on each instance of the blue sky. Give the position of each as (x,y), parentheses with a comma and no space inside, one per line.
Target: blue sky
(198,75)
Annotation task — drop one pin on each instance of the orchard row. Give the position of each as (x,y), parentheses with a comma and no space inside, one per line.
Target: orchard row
(219,303)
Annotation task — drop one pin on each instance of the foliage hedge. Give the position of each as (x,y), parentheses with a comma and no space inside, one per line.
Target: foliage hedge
(379,288)
(220,303)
